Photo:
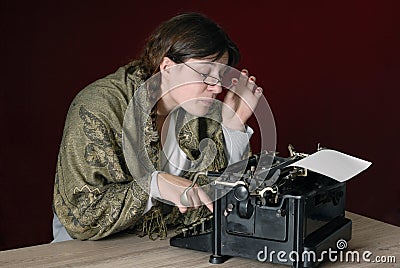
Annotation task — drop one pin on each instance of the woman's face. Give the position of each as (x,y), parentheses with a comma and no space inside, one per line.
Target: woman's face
(183,85)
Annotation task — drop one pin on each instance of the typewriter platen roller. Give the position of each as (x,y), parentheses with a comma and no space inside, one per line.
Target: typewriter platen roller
(265,206)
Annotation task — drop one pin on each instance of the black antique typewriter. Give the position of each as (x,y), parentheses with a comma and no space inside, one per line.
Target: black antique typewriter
(267,210)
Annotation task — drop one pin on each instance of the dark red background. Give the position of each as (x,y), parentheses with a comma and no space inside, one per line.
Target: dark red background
(330,71)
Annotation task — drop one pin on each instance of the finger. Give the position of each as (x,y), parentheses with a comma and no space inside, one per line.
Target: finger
(182,209)
(258,92)
(234,82)
(248,81)
(210,206)
(245,87)
(230,93)
(238,83)
(251,83)
(244,77)
(195,199)
(205,199)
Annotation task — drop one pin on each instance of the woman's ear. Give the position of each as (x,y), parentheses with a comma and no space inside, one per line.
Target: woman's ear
(166,63)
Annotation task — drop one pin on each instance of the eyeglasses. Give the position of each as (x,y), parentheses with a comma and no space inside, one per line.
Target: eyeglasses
(207,79)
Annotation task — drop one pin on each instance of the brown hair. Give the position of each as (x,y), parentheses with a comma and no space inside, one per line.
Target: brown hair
(189,35)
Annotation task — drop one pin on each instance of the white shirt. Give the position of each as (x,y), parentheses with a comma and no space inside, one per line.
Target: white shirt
(175,162)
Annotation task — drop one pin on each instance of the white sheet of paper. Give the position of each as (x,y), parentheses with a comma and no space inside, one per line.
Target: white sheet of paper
(334,164)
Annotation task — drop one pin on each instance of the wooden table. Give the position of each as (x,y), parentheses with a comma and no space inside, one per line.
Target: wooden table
(130,251)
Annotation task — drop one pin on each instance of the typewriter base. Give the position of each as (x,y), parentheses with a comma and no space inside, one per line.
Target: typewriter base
(321,240)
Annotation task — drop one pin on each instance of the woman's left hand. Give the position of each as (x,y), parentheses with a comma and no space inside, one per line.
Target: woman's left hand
(240,101)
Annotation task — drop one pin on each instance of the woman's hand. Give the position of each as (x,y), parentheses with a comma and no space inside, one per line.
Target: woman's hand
(240,101)
(171,187)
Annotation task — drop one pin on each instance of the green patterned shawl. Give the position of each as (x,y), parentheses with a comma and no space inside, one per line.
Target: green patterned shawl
(95,195)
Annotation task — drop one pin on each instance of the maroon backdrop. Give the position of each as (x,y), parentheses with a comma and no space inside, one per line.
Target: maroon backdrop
(330,73)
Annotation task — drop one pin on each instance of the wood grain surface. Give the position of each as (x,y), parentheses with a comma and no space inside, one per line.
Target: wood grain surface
(123,250)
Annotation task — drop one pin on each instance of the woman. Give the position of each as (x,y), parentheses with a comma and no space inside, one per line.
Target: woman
(102,186)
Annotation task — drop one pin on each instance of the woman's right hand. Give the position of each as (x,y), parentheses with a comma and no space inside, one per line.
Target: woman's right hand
(171,188)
